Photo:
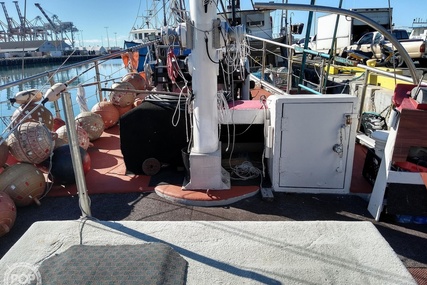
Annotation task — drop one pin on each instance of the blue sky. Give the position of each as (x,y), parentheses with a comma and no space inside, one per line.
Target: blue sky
(404,11)
(95,18)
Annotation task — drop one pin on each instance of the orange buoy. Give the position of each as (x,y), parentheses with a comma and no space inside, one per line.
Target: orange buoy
(137,102)
(58,122)
(139,99)
(92,123)
(7,213)
(42,114)
(4,153)
(122,98)
(31,142)
(108,112)
(137,81)
(23,182)
(123,110)
(82,136)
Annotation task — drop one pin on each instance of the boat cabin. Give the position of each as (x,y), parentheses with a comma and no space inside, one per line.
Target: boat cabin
(145,34)
(258,23)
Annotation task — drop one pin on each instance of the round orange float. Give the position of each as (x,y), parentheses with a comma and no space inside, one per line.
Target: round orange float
(108,112)
(139,99)
(57,123)
(23,182)
(92,123)
(7,213)
(123,110)
(4,153)
(42,114)
(137,81)
(31,142)
(82,136)
(122,98)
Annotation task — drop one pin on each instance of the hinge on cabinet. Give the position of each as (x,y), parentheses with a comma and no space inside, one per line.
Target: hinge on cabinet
(349,118)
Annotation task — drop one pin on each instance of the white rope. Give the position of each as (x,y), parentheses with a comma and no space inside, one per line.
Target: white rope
(224,113)
(245,171)
(81,99)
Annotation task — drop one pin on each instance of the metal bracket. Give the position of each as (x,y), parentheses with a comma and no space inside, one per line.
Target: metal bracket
(267,194)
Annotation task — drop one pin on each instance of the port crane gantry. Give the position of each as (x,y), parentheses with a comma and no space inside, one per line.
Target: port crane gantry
(22,30)
(60,27)
(13,29)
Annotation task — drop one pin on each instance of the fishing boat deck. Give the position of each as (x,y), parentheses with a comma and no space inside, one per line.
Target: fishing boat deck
(108,174)
(121,196)
(251,252)
(124,202)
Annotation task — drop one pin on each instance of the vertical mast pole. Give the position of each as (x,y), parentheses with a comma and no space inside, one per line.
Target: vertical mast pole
(206,171)
(204,79)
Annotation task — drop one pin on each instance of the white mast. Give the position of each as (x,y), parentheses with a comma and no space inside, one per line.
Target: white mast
(205,157)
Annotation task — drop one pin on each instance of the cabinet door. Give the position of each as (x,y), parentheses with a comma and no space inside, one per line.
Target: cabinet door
(309,133)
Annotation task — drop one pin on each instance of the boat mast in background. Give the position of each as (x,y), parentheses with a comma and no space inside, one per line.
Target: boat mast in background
(164,14)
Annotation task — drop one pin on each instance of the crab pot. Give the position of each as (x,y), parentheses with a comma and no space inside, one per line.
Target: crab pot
(24,183)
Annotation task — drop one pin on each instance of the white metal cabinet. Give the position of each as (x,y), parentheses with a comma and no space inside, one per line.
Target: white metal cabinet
(312,140)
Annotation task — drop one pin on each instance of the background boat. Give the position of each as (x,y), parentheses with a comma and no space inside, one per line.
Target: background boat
(157,24)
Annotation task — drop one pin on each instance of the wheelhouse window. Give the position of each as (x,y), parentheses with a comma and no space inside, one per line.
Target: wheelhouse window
(255,20)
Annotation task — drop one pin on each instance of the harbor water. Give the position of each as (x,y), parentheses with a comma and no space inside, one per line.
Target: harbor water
(109,71)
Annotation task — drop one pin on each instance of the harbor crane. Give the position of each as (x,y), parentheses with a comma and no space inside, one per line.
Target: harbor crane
(23,29)
(25,26)
(13,28)
(3,31)
(53,26)
(39,28)
(60,27)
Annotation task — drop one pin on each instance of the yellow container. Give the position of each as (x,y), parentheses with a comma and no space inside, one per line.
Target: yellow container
(385,81)
(344,69)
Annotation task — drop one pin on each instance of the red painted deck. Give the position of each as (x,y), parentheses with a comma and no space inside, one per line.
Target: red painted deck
(108,175)
(108,170)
